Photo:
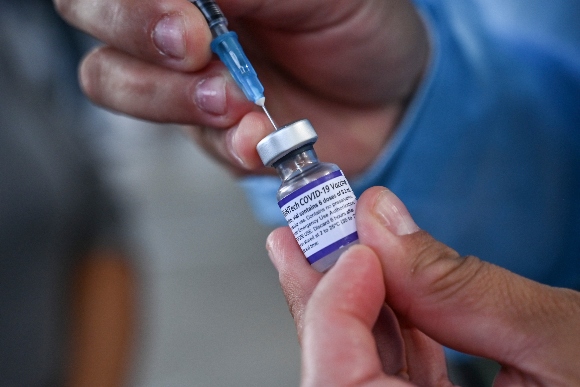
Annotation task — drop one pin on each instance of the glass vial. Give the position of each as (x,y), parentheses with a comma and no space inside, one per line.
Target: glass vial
(314,197)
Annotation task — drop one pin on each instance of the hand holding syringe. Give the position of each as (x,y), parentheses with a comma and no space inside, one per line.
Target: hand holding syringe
(225,44)
(351,66)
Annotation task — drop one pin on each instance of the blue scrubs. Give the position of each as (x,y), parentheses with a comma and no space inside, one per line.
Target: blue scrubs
(487,158)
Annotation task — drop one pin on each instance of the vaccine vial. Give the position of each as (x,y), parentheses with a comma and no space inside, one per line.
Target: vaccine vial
(314,197)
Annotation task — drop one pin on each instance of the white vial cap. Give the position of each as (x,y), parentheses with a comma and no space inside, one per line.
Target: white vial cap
(285,140)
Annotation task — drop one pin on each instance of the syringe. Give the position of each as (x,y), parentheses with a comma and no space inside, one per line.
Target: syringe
(226,45)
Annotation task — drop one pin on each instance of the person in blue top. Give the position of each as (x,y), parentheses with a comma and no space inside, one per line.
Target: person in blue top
(468,111)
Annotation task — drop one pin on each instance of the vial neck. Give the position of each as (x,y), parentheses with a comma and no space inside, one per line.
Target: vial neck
(296,162)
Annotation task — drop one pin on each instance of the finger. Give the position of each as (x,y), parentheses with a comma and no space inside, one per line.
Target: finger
(169,32)
(465,303)
(390,344)
(236,147)
(425,358)
(297,278)
(338,346)
(120,82)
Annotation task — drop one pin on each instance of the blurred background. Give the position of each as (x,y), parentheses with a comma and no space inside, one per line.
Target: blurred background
(209,308)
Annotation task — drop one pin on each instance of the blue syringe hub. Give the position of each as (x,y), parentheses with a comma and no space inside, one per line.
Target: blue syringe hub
(227,47)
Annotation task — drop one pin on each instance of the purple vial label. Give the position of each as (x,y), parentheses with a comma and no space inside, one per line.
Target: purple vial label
(321,215)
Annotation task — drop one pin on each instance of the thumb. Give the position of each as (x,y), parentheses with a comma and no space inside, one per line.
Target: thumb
(466,303)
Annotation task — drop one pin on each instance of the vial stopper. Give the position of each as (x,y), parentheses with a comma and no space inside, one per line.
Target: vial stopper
(285,140)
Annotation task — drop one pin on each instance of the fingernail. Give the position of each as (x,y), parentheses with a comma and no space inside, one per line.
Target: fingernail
(168,36)
(210,95)
(233,141)
(393,214)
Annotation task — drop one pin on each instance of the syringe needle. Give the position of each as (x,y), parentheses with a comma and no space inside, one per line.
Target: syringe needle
(225,44)
(269,117)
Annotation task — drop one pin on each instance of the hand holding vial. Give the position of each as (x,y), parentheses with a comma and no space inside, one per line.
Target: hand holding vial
(438,298)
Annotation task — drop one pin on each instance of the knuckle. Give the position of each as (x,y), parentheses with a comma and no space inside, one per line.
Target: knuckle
(443,273)
(464,278)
